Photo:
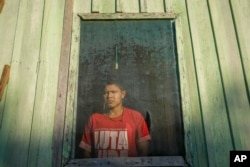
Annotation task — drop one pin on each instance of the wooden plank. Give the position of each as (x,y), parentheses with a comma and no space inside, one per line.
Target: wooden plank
(95,6)
(70,120)
(19,106)
(40,152)
(82,6)
(241,13)
(143,6)
(58,131)
(106,6)
(214,112)
(129,162)
(168,6)
(107,16)
(155,6)
(8,21)
(128,6)
(230,63)
(193,128)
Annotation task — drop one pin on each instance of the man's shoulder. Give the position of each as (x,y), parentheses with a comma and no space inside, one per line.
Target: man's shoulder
(133,112)
(96,115)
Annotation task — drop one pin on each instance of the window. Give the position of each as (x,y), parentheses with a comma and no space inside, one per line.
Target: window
(143,54)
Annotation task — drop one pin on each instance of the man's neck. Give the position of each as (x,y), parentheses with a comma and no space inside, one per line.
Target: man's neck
(115,112)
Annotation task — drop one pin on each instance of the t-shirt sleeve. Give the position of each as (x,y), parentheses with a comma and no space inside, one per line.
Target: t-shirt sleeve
(86,137)
(142,129)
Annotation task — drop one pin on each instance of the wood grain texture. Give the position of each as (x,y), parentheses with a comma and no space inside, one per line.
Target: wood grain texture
(213,107)
(155,6)
(82,6)
(232,73)
(19,105)
(70,119)
(193,126)
(241,13)
(127,6)
(58,131)
(129,162)
(41,136)
(127,16)
(8,21)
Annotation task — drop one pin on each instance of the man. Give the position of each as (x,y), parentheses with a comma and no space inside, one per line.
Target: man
(119,132)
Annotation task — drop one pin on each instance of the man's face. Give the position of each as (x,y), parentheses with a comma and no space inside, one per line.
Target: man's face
(113,96)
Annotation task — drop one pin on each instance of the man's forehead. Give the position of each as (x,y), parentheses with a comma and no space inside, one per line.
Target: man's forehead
(112,87)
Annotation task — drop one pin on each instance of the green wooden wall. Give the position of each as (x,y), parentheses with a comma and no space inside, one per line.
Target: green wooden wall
(214,65)
(30,34)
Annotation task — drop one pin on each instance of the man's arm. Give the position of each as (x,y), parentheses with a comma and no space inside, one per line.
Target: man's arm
(143,148)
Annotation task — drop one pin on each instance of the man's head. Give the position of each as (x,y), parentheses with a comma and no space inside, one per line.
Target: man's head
(113,95)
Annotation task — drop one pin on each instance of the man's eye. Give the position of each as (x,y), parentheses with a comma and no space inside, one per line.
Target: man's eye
(110,92)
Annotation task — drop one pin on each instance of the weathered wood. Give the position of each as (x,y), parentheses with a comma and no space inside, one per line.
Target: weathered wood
(82,6)
(128,162)
(4,80)
(59,118)
(193,126)
(155,6)
(8,21)
(230,63)
(95,6)
(106,6)
(143,6)
(213,107)
(19,105)
(129,6)
(50,19)
(70,119)
(130,16)
(241,13)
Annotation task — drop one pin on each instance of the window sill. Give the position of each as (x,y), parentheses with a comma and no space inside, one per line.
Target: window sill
(128,161)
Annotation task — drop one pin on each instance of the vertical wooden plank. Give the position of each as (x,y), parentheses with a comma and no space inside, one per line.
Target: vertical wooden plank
(8,21)
(168,6)
(119,6)
(230,62)
(19,107)
(193,126)
(41,142)
(59,119)
(241,15)
(95,6)
(127,6)
(70,120)
(143,6)
(155,6)
(214,112)
(107,6)
(81,6)
(40,149)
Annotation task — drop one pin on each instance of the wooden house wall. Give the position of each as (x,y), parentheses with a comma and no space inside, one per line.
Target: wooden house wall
(214,66)
(214,71)
(30,34)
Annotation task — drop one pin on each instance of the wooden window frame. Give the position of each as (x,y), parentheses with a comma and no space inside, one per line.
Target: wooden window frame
(63,137)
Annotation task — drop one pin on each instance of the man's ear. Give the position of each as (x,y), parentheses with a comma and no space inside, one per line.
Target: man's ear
(124,94)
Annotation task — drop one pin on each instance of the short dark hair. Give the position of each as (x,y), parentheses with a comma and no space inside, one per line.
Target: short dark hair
(115,82)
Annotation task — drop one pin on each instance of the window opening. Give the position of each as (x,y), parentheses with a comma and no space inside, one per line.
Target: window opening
(143,54)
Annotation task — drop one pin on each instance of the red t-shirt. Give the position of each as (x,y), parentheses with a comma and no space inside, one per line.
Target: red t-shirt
(115,137)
